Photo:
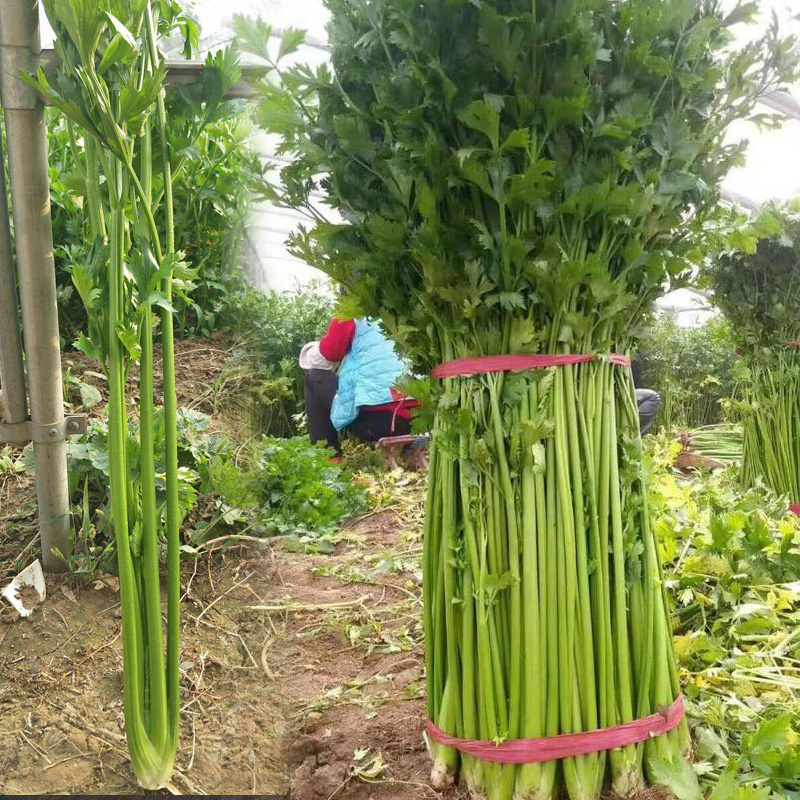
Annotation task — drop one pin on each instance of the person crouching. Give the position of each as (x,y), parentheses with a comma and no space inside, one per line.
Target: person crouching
(360,397)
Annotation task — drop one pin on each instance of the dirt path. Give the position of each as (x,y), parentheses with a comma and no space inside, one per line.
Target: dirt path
(351,658)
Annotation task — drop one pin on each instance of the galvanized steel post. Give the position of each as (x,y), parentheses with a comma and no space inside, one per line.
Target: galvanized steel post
(13,399)
(30,198)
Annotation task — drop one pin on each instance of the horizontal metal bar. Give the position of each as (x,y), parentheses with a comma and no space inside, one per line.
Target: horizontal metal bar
(739,199)
(24,432)
(179,73)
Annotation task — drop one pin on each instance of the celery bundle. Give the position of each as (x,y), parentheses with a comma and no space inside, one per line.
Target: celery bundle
(759,293)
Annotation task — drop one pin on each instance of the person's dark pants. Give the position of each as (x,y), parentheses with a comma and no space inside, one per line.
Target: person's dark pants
(648,402)
(369,426)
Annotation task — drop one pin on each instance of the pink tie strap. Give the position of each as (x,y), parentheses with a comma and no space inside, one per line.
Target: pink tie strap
(566,745)
(477,365)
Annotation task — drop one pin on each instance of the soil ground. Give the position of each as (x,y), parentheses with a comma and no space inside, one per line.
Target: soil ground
(351,660)
(318,695)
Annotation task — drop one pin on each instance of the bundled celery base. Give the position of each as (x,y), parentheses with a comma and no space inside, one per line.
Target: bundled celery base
(545,610)
(771,423)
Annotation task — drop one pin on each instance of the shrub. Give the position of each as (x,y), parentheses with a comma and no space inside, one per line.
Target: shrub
(211,204)
(691,368)
(276,326)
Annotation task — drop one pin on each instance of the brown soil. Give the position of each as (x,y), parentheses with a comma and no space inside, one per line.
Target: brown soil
(351,659)
(61,693)
(323,699)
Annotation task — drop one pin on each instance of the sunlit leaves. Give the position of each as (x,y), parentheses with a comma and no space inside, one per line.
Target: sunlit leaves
(291,40)
(732,567)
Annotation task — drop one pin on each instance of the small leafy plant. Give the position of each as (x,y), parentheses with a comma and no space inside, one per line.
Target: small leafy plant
(300,491)
(87,552)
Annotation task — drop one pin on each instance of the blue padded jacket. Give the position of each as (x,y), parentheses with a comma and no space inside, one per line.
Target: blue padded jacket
(368,372)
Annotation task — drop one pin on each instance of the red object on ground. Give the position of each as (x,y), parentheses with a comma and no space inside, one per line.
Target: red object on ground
(796,508)
(336,341)
(477,365)
(401,404)
(336,459)
(565,745)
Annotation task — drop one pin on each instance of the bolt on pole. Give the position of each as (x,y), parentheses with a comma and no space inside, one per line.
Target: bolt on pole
(26,138)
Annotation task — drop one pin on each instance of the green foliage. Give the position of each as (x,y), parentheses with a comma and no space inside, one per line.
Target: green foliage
(9,461)
(88,459)
(300,491)
(212,205)
(491,158)
(731,563)
(758,290)
(275,327)
(212,191)
(207,470)
(691,369)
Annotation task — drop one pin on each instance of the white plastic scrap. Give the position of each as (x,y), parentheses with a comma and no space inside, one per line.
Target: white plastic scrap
(30,576)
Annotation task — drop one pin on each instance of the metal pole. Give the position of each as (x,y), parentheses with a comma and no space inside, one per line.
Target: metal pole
(13,401)
(30,198)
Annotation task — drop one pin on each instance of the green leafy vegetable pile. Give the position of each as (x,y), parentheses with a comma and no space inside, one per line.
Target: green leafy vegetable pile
(300,491)
(525,177)
(731,563)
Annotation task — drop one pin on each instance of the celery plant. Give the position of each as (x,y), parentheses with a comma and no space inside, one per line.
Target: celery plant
(521,176)
(110,84)
(758,290)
